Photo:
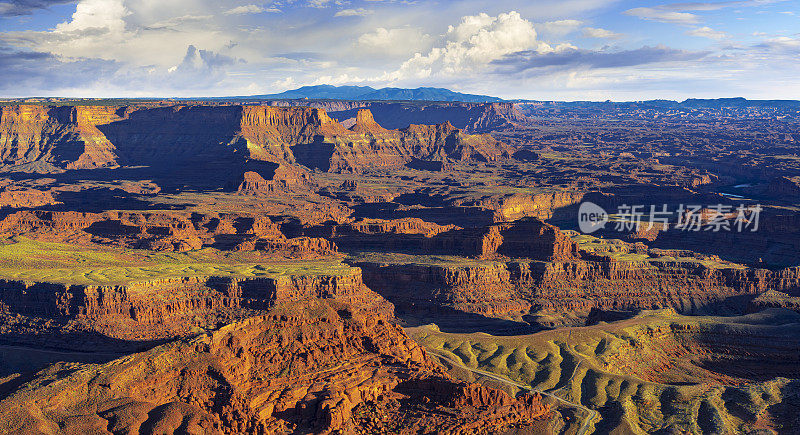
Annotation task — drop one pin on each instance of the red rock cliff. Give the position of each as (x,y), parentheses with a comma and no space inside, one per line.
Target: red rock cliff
(317,369)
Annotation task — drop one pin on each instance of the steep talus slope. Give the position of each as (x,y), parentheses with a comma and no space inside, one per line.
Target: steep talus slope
(319,368)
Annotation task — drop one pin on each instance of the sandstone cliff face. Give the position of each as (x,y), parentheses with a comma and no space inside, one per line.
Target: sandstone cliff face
(365,124)
(564,278)
(775,244)
(394,226)
(514,288)
(498,116)
(185,139)
(41,139)
(171,307)
(369,145)
(527,238)
(444,142)
(471,117)
(319,369)
(270,132)
(540,205)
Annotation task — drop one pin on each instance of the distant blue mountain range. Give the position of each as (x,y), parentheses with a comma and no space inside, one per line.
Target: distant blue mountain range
(367,93)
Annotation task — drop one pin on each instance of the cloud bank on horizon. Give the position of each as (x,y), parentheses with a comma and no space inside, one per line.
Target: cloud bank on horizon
(549,49)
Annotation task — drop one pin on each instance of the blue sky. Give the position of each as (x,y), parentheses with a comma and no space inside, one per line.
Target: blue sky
(545,49)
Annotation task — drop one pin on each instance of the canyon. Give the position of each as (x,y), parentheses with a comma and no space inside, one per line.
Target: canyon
(332,266)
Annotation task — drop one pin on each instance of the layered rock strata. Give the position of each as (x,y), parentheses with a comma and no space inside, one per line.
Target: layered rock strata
(565,278)
(316,369)
(169,307)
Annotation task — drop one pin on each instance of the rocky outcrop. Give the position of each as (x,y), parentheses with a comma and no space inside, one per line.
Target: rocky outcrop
(398,226)
(323,368)
(270,132)
(165,231)
(25,198)
(282,179)
(383,227)
(775,243)
(365,124)
(527,238)
(444,142)
(516,288)
(372,146)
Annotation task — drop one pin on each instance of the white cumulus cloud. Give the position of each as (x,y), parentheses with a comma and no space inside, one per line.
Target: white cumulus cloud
(474,43)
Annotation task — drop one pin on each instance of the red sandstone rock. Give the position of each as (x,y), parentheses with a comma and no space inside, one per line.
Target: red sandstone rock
(365,124)
(164,231)
(316,369)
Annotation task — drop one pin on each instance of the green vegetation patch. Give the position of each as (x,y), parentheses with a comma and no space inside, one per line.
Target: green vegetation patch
(32,260)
